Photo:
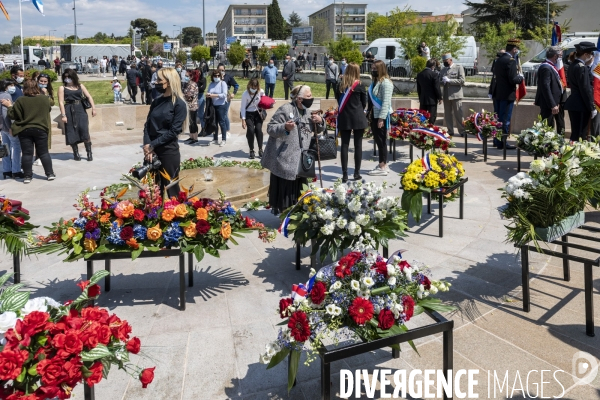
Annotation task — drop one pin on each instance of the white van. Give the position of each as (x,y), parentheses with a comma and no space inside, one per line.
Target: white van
(383,48)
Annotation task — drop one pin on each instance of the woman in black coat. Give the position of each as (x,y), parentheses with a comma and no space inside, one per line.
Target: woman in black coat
(580,103)
(351,117)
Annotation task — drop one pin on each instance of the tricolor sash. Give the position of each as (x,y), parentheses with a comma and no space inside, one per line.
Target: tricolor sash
(551,64)
(344,101)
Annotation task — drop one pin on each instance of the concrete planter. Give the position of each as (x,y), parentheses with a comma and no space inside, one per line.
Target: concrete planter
(565,226)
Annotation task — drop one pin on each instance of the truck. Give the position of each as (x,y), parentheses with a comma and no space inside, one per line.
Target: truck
(69,52)
(32,55)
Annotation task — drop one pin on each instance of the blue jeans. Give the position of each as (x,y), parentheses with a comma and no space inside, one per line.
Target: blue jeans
(201,105)
(12,162)
(505,109)
(221,112)
(227,122)
(117,96)
(114,69)
(269,89)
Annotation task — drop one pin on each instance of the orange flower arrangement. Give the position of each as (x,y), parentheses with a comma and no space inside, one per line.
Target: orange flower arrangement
(181,210)
(154,233)
(225,230)
(105,218)
(90,245)
(132,243)
(168,215)
(124,209)
(71,232)
(201,213)
(190,230)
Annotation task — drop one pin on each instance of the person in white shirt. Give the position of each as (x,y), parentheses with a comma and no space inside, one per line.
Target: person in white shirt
(103,64)
(251,118)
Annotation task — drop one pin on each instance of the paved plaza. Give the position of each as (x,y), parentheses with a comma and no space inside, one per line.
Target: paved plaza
(211,350)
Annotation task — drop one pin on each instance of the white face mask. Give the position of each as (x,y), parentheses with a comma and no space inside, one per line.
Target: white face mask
(11,90)
(252,91)
(20,79)
(68,80)
(216,80)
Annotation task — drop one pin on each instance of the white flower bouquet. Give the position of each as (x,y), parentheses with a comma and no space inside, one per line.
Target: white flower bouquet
(541,140)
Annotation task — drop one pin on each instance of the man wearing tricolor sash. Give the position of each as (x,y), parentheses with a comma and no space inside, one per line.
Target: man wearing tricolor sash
(551,90)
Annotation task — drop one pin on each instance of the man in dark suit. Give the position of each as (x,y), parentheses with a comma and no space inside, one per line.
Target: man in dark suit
(493,80)
(505,90)
(551,95)
(287,74)
(429,91)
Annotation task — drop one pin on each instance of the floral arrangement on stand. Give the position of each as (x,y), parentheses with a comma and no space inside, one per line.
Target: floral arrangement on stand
(338,218)
(483,124)
(48,348)
(330,117)
(362,295)
(146,222)
(425,175)
(557,188)
(430,137)
(14,227)
(403,120)
(541,140)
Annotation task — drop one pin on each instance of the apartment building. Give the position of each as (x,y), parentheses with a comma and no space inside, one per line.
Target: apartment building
(345,19)
(246,22)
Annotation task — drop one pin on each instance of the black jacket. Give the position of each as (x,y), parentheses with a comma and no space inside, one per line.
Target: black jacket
(231,83)
(146,74)
(507,79)
(210,117)
(164,124)
(549,89)
(582,95)
(201,85)
(353,114)
(131,75)
(428,87)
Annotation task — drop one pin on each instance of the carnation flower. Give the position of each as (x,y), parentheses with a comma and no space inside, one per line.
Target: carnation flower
(202,227)
(283,307)
(126,233)
(409,305)
(385,319)
(317,294)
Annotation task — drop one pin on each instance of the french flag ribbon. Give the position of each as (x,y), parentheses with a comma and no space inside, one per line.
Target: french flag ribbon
(299,292)
(551,64)
(286,220)
(426,163)
(477,116)
(432,133)
(344,101)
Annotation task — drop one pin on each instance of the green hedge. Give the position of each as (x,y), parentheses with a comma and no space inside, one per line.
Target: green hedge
(53,76)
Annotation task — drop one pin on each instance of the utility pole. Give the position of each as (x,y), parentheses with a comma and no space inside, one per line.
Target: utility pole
(548,22)
(203,25)
(75,19)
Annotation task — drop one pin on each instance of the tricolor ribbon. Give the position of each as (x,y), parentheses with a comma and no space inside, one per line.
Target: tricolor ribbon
(477,115)
(299,292)
(286,220)
(343,103)
(432,133)
(426,163)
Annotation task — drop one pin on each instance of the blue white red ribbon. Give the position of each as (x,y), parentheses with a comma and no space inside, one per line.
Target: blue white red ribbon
(426,163)
(286,220)
(432,133)
(477,115)
(299,292)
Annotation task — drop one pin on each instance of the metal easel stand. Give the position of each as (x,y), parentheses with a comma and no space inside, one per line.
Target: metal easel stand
(313,258)
(441,192)
(535,157)
(566,257)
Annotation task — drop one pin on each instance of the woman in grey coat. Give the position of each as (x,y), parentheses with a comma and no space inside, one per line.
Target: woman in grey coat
(289,132)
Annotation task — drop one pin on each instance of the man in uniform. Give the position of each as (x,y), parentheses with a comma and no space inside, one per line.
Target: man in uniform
(452,78)
(551,95)
(505,90)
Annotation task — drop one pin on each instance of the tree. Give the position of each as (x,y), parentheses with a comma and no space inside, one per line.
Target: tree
(276,23)
(294,20)
(494,38)
(147,27)
(264,54)
(371,17)
(321,32)
(438,36)
(157,49)
(345,48)
(181,56)
(281,51)
(523,14)
(200,53)
(191,36)
(542,34)
(392,26)
(236,54)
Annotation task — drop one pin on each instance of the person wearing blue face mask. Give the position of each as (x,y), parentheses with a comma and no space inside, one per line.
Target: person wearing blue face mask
(16,73)
(11,163)
(190,94)
(251,118)
(217,98)
(269,74)
(133,75)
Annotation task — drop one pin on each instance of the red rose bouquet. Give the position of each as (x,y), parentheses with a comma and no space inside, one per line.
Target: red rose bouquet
(363,292)
(403,120)
(48,348)
(430,137)
(14,226)
(145,222)
(483,124)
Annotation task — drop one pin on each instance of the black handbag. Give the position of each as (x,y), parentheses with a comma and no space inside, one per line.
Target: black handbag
(85,102)
(327,149)
(306,165)
(3,150)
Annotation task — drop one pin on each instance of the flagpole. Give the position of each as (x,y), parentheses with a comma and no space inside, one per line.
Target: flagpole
(21,21)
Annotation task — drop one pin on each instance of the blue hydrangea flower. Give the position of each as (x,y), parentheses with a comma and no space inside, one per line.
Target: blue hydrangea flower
(229,211)
(115,235)
(139,232)
(80,223)
(172,234)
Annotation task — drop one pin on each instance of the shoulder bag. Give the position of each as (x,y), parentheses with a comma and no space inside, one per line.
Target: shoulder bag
(250,102)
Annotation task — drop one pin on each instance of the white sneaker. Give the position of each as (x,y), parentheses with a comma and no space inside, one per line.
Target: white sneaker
(37,162)
(378,171)
(222,143)
(228,135)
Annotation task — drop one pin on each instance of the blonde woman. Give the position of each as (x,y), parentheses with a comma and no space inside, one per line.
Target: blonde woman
(351,117)
(380,107)
(167,116)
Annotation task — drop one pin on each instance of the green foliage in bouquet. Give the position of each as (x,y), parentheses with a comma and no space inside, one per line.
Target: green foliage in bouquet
(541,140)
(14,228)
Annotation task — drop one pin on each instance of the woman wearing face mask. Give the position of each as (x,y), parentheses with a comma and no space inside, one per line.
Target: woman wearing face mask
(190,93)
(180,70)
(167,116)
(380,107)
(217,93)
(74,116)
(290,131)
(31,123)
(251,119)
(580,103)
(11,163)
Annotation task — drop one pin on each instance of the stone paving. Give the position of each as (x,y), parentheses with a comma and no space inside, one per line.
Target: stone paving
(211,350)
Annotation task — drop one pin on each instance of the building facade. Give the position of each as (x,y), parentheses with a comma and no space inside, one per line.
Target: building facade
(344,19)
(246,22)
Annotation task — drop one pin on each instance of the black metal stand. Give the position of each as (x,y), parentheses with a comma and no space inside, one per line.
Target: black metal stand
(88,392)
(393,148)
(313,258)
(17,268)
(339,353)
(535,157)
(466,144)
(108,257)
(485,148)
(504,137)
(443,191)
(411,152)
(566,257)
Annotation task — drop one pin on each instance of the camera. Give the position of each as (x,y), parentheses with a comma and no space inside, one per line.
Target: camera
(153,165)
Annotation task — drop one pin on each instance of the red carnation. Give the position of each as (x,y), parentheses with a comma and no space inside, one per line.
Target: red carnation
(317,294)
(386,319)
(381,268)
(202,227)
(182,197)
(426,283)
(138,215)
(83,285)
(133,346)
(95,374)
(11,363)
(298,325)
(409,306)
(283,305)
(361,310)
(147,376)
(89,336)
(95,314)
(126,232)
(94,291)
(403,264)
(346,263)
(198,204)
(91,225)
(69,343)
(104,334)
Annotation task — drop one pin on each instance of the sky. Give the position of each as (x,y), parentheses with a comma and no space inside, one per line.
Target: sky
(114,16)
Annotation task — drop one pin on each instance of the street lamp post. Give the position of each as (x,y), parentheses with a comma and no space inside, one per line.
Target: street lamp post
(52,47)
(179,41)
(75,20)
